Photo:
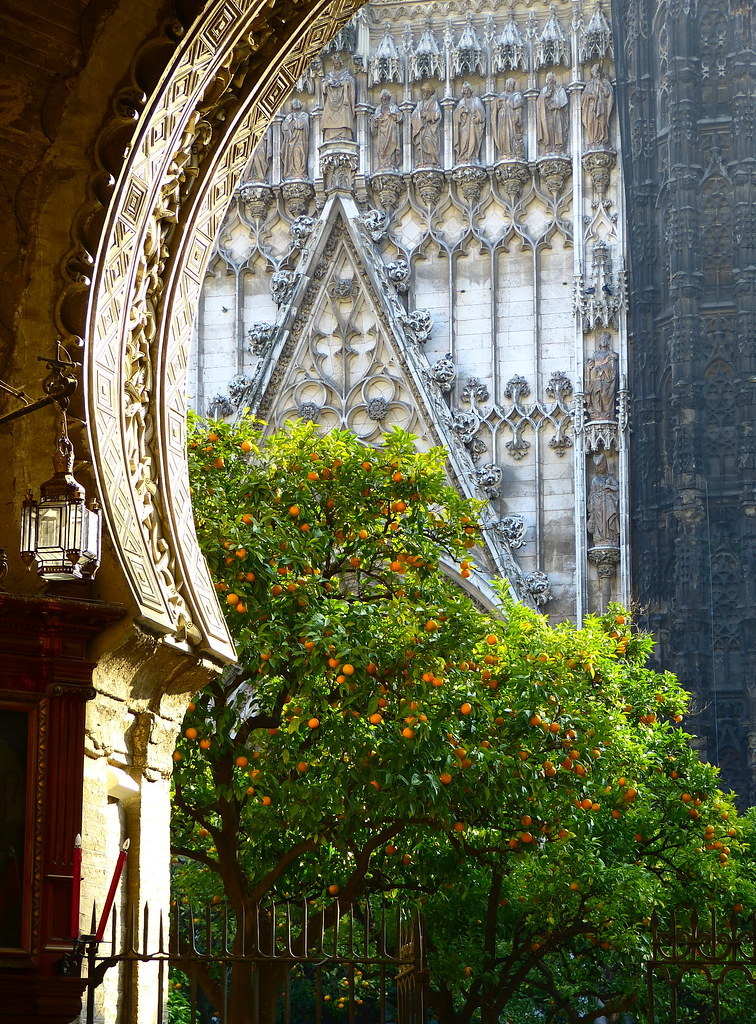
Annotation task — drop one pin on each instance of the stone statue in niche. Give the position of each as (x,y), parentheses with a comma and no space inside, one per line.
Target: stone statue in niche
(552,111)
(596,108)
(295,136)
(601,379)
(261,158)
(603,505)
(468,123)
(386,126)
(426,128)
(337,120)
(507,119)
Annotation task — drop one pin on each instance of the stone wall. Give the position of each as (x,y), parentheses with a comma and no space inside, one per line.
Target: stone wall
(485,189)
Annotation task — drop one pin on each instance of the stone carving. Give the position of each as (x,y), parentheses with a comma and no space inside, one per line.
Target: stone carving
(554,172)
(301,229)
(465,425)
(295,142)
(552,112)
(398,273)
(377,408)
(238,387)
(600,302)
(468,56)
(596,38)
(184,132)
(337,119)
(257,198)
(258,337)
(387,188)
(376,222)
(309,412)
(260,165)
(512,176)
(219,407)
(603,505)
(426,60)
(510,52)
(512,529)
(426,129)
(339,168)
(507,122)
(386,64)
(282,285)
(417,325)
(343,288)
(596,108)
(297,196)
(559,387)
(474,391)
(606,561)
(469,182)
(552,46)
(517,388)
(601,380)
(468,123)
(444,372)
(428,185)
(385,124)
(599,163)
(488,478)
(538,586)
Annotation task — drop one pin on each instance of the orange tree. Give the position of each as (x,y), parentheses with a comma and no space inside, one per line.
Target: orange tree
(380,734)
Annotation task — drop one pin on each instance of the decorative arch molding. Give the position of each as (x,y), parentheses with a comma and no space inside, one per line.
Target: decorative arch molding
(222,87)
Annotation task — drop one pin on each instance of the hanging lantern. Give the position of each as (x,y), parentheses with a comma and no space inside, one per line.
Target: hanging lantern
(60,532)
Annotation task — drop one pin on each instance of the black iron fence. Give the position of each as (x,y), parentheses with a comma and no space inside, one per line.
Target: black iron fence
(702,969)
(288,963)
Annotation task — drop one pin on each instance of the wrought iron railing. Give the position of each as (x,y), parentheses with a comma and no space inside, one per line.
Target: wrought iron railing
(706,966)
(354,963)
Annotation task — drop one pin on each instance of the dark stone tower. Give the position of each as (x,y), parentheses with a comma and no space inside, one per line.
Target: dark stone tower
(686,84)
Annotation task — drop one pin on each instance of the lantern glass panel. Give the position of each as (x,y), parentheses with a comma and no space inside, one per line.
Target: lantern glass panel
(29,527)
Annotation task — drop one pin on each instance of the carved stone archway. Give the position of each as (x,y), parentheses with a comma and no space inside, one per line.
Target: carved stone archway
(225,82)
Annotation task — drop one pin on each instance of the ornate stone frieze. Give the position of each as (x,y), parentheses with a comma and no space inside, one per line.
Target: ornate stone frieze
(521,417)
(600,436)
(513,529)
(343,288)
